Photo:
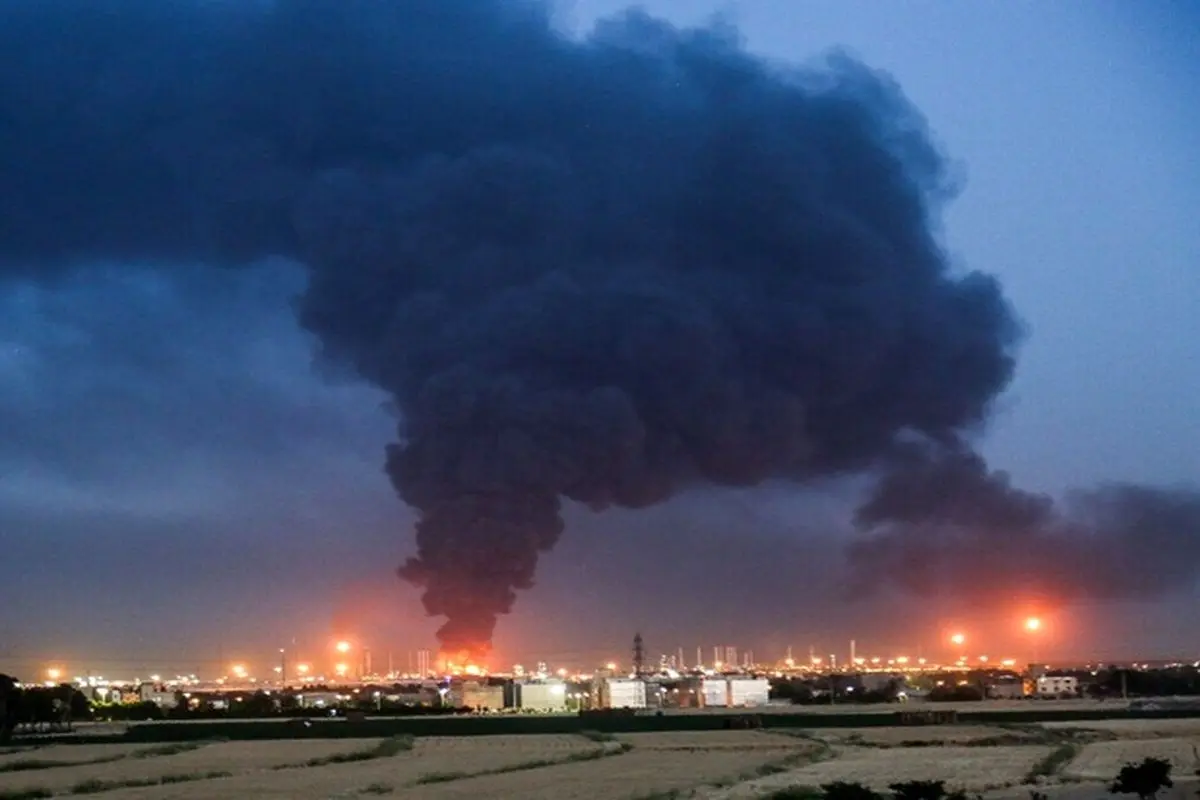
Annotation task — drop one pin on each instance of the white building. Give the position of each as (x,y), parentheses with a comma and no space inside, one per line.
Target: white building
(481,696)
(744,692)
(161,697)
(318,699)
(1057,686)
(539,696)
(622,693)
(714,693)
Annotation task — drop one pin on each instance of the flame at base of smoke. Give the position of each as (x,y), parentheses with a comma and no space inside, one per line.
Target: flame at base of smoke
(475,552)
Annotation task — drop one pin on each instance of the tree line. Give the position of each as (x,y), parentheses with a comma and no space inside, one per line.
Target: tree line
(39,709)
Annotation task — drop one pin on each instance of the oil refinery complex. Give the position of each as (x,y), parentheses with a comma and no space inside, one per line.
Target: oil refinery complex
(730,679)
(439,686)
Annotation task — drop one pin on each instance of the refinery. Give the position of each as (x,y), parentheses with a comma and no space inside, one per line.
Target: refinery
(728,680)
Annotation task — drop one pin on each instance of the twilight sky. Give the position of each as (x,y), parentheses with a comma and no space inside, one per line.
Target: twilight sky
(182,488)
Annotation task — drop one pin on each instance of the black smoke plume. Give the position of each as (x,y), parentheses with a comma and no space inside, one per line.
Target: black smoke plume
(946,526)
(594,270)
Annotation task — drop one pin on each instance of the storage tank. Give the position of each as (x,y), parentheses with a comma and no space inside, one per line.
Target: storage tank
(714,693)
(541,696)
(622,693)
(749,691)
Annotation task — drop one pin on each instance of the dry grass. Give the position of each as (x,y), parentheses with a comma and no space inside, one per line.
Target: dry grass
(1136,728)
(911,735)
(636,774)
(971,768)
(1183,790)
(467,755)
(1102,760)
(729,765)
(710,740)
(226,756)
(69,753)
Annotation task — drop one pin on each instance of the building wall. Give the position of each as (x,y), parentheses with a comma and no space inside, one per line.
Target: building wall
(549,696)
(622,693)
(475,695)
(1053,686)
(749,691)
(714,693)
(1006,690)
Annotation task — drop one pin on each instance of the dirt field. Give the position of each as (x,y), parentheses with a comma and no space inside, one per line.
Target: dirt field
(1137,728)
(68,753)
(622,777)
(972,768)
(1102,760)
(232,757)
(460,757)
(709,740)
(913,735)
(717,765)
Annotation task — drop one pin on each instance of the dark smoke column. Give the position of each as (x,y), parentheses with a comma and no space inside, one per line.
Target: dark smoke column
(595,271)
(648,263)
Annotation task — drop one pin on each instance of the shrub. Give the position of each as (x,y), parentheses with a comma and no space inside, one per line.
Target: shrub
(1145,780)
(919,790)
(843,790)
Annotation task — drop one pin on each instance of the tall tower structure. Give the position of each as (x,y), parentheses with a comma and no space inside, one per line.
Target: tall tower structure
(639,654)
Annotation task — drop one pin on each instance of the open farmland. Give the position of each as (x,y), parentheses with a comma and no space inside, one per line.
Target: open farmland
(1101,760)
(918,735)
(633,775)
(971,768)
(1068,762)
(1137,728)
(126,765)
(63,754)
(709,740)
(443,758)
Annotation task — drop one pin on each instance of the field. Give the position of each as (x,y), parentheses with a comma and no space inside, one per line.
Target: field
(1000,762)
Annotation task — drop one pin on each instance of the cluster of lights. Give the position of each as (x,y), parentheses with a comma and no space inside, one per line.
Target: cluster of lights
(54,674)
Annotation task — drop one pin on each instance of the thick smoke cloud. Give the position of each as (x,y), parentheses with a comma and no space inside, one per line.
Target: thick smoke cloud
(598,271)
(946,526)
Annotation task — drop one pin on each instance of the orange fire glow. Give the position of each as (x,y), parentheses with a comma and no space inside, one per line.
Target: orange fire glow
(464,662)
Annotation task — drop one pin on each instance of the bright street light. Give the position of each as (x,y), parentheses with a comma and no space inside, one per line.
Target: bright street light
(54,673)
(1033,624)
(342,646)
(958,639)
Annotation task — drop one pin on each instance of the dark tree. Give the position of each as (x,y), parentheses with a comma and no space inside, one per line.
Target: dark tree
(1145,780)
(8,706)
(919,790)
(842,790)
